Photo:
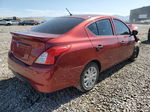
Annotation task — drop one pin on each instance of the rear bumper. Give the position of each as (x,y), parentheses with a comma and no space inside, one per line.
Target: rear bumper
(39,76)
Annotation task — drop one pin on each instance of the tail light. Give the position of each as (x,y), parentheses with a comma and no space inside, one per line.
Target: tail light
(49,56)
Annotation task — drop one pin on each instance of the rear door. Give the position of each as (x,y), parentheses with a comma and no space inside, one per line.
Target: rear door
(104,42)
(126,41)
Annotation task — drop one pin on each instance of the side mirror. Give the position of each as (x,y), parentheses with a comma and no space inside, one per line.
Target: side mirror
(134,32)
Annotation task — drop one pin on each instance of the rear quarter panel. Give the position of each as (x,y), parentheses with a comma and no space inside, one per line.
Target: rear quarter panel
(69,65)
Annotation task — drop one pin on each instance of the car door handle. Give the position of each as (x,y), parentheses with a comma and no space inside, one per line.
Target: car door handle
(122,42)
(99,47)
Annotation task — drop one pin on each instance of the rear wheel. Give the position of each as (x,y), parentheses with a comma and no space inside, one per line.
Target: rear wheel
(88,77)
(135,53)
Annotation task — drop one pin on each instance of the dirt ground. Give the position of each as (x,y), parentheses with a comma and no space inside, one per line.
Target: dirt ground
(123,88)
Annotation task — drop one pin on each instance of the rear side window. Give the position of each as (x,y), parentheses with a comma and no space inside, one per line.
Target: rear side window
(121,28)
(104,27)
(58,25)
(93,28)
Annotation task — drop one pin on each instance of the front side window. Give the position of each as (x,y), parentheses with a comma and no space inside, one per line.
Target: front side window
(58,25)
(121,28)
(104,27)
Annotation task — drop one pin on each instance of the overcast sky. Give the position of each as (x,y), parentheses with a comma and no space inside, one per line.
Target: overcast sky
(52,8)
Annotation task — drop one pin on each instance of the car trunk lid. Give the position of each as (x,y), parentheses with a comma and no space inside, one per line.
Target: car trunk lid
(27,46)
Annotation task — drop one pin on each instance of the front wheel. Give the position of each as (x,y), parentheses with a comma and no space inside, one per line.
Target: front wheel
(135,53)
(88,77)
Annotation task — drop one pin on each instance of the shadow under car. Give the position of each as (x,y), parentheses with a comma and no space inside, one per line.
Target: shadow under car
(17,96)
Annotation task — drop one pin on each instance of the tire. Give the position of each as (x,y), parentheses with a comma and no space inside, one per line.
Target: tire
(88,81)
(134,54)
(8,24)
(149,36)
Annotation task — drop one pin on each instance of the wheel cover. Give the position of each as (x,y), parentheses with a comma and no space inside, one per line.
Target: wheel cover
(90,77)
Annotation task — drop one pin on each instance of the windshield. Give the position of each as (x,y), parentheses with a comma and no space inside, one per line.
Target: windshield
(58,25)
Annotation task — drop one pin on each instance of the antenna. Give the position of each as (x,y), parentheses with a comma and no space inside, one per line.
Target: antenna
(69,12)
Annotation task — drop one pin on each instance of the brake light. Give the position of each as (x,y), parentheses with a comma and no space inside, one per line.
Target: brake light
(50,55)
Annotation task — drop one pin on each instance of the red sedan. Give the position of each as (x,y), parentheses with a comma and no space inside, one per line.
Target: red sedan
(70,51)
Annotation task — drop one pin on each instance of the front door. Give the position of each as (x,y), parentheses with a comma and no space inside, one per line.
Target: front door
(126,41)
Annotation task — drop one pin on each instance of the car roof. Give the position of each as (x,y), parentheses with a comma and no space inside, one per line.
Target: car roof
(88,16)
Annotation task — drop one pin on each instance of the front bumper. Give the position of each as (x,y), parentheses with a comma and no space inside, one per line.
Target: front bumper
(40,76)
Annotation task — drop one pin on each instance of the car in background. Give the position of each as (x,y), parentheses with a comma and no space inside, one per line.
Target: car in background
(149,35)
(43,21)
(71,51)
(5,22)
(28,22)
(14,22)
(9,22)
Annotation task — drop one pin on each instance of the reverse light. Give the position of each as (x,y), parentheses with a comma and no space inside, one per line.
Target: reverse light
(42,58)
(50,55)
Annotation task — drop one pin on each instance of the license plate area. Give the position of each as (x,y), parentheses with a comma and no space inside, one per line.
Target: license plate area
(20,50)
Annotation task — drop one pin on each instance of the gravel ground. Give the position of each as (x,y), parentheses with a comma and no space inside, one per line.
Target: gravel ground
(123,88)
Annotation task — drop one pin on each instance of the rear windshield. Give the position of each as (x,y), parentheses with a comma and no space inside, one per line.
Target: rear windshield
(58,25)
